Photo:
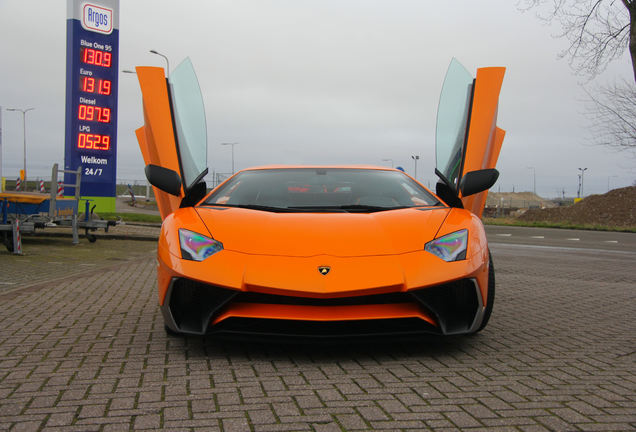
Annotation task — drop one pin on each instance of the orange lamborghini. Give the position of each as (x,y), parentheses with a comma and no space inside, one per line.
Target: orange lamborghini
(322,250)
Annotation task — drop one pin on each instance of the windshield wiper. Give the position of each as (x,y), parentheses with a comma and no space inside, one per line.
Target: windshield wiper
(253,207)
(352,208)
(369,208)
(349,208)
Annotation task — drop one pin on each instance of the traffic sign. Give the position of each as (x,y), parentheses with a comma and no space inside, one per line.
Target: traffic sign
(92,54)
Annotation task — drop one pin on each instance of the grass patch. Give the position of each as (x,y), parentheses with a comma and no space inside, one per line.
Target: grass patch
(132,217)
(561,225)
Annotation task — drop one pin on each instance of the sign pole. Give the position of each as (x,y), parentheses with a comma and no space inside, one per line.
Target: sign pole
(1,177)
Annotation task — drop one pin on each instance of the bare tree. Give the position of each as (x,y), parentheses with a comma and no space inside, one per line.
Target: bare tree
(598,31)
(613,116)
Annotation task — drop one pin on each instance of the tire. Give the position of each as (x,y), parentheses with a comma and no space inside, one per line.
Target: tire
(7,240)
(491,294)
(170,332)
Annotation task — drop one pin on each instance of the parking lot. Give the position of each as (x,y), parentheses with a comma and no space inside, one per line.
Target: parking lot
(83,347)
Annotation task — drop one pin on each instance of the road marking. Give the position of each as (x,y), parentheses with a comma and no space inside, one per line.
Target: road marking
(538,237)
(563,248)
(7,283)
(504,235)
(611,241)
(574,239)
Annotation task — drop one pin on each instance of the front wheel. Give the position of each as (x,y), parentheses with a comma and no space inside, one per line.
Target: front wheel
(491,294)
(7,240)
(90,237)
(170,332)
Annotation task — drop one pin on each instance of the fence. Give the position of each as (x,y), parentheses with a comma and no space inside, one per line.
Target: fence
(139,187)
(507,206)
(30,185)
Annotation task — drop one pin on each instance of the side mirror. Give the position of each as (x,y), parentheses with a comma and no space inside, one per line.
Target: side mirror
(478,181)
(164,179)
(449,196)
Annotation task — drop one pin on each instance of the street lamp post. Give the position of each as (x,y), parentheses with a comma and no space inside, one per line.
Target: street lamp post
(23,111)
(534,180)
(231,144)
(148,189)
(167,61)
(388,160)
(1,184)
(415,159)
(581,177)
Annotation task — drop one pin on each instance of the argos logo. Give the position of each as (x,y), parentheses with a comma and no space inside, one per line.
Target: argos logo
(97,18)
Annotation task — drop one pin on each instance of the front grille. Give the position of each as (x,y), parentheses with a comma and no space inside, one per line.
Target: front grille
(328,329)
(252,297)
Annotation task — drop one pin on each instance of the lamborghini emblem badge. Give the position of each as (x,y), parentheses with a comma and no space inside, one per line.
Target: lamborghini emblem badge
(324,270)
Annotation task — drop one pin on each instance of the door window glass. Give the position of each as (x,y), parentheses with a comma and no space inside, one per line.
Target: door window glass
(452,118)
(189,118)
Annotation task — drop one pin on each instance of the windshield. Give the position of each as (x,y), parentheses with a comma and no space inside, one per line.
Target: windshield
(321,189)
(452,118)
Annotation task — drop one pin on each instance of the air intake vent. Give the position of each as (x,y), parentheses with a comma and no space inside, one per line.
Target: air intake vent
(193,304)
(454,305)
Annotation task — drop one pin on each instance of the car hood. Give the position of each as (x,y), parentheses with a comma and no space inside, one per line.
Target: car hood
(311,234)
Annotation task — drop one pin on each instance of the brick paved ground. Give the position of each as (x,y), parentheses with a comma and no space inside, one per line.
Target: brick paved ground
(53,257)
(90,353)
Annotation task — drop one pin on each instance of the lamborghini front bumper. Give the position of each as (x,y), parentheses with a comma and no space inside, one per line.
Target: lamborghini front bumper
(192,307)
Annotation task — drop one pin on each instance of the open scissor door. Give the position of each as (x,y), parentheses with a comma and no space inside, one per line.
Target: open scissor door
(467,137)
(173,140)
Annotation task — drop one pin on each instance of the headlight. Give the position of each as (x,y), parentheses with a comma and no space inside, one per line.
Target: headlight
(451,247)
(197,247)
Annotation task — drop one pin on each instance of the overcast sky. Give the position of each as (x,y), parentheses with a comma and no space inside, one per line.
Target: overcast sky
(320,81)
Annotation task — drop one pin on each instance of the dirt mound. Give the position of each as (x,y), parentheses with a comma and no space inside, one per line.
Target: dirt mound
(617,208)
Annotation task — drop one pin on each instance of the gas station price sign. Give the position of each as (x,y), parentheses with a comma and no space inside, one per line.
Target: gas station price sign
(91,98)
